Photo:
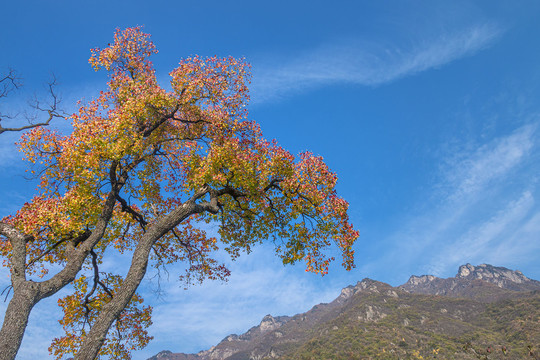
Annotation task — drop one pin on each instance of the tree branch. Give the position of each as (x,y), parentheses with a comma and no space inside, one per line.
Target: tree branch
(94,286)
(137,216)
(9,83)
(75,240)
(18,258)
(52,110)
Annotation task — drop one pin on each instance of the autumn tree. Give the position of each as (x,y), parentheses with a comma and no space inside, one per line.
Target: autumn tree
(142,171)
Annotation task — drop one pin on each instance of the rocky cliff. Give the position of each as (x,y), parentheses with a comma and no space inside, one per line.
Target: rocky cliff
(483,282)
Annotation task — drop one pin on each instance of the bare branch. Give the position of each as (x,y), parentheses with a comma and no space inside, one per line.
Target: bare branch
(10,83)
(6,290)
(160,265)
(96,282)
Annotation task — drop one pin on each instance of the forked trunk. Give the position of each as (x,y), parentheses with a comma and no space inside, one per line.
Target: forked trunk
(98,333)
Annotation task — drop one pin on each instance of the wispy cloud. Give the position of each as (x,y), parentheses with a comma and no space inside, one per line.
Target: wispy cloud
(467,175)
(366,63)
(483,210)
(483,242)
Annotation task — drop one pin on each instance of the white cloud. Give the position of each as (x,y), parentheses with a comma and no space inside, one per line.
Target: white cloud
(484,241)
(490,162)
(482,211)
(523,243)
(366,63)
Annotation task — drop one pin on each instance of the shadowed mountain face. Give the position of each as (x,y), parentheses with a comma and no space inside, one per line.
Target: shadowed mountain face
(485,312)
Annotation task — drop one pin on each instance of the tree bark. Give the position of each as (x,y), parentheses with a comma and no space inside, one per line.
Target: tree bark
(16,319)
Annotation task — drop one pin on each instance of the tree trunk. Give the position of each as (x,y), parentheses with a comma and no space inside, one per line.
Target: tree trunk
(16,319)
(98,333)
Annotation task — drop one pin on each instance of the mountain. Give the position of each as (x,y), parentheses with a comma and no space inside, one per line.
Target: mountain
(484,282)
(484,312)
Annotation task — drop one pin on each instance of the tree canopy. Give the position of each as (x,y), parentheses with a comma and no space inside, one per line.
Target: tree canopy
(141,171)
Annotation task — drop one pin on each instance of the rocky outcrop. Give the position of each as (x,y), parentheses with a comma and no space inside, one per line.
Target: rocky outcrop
(417,280)
(476,282)
(269,323)
(500,276)
(245,345)
(366,285)
(371,314)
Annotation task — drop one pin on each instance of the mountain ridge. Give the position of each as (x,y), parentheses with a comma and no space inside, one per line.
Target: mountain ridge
(441,308)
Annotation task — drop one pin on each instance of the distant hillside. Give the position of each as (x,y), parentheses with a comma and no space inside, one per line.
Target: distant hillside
(485,312)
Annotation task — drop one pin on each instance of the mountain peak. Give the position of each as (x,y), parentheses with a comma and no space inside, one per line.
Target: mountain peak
(467,280)
(269,322)
(497,275)
(417,280)
(367,284)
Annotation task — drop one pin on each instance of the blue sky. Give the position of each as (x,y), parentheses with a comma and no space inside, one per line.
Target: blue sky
(427,110)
